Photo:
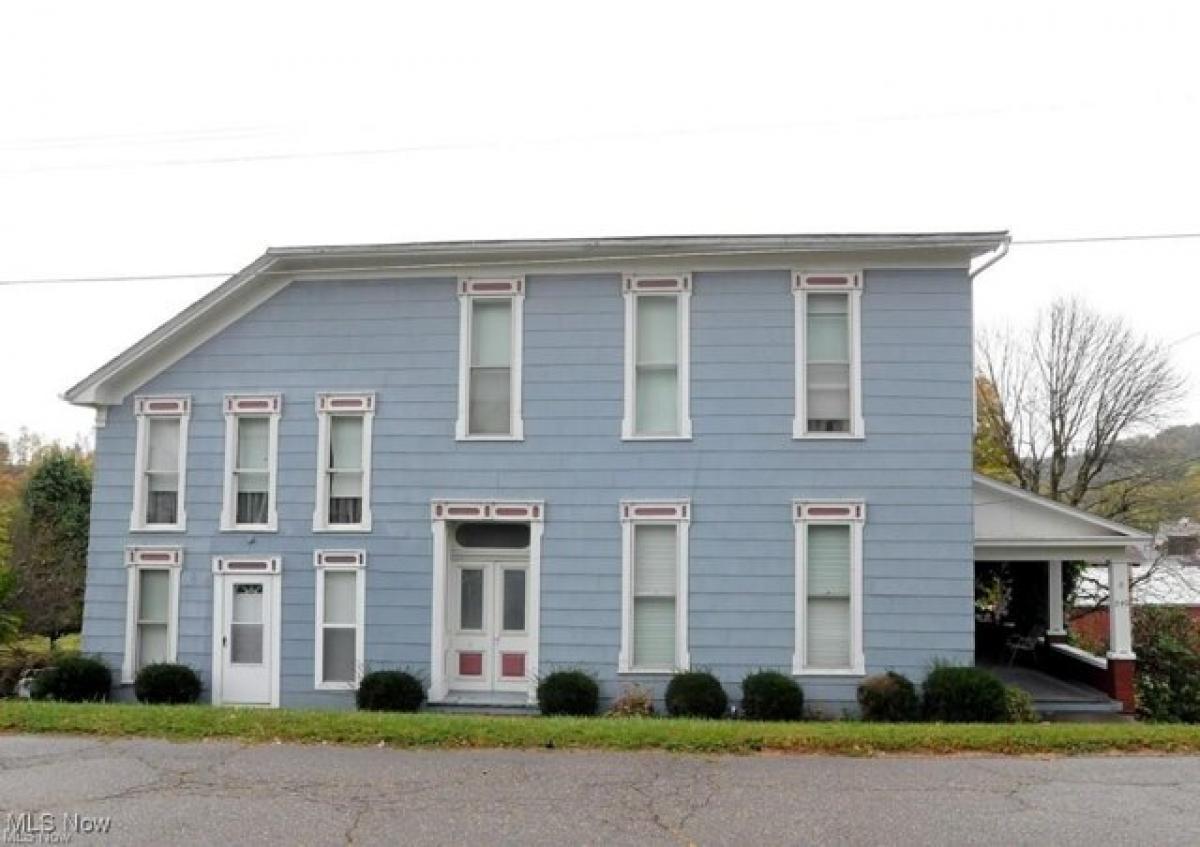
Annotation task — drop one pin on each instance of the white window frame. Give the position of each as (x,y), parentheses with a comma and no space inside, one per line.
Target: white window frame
(470,290)
(238,406)
(138,559)
(147,408)
(635,286)
(828,282)
(676,513)
(852,513)
(358,404)
(343,561)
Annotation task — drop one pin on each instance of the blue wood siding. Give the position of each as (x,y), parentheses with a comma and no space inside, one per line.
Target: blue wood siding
(741,470)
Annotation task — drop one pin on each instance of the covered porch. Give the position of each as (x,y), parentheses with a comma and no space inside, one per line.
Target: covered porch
(1030,539)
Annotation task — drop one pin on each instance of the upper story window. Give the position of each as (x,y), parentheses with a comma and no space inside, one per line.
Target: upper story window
(151,607)
(251,451)
(654,571)
(657,404)
(829,587)
(489,383)
(161,463)
(344,462)
(828,367)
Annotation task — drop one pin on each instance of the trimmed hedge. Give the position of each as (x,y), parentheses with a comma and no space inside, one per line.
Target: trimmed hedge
(390,691)
(696,694)
(73,679)
(568,693)
(772,696)
(165,682)
(964,694)
(889,697)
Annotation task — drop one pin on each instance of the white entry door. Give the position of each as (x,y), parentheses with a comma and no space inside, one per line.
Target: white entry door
(248,664)
(488,626)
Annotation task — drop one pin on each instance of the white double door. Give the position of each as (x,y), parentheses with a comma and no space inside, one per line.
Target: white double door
(488,626)
(246,619)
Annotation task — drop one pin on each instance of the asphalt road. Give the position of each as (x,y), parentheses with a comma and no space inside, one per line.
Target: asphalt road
(162,793)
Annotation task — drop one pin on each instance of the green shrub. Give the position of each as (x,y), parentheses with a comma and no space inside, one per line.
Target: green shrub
(74,679)
(1018,703)
(772,696)
(389,691)
(164,682)
(888,697)
(696,694)
(964,694)
(568,693)
(1167,682)
(633,702)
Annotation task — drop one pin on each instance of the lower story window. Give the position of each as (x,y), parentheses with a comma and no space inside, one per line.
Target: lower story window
(654,568)
(829,587)
(152,608)
(341,600)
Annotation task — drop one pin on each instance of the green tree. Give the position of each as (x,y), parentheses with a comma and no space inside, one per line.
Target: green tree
(49,543)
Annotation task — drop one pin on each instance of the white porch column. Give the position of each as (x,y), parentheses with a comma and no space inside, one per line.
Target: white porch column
(1120,622)
(1054,599)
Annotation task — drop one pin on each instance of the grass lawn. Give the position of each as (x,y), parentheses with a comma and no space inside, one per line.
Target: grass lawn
(191,723)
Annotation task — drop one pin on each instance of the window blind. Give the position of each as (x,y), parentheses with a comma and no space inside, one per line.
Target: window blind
(827,352)
(657,366)
(827,577)
(655,566)
(490,410)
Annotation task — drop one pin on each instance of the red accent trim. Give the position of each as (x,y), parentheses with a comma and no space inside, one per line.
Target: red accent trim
(347,402)
(655,511)
(512,664)
(470,664)
(155,557)
(536,511)
(465,511)
(495,286)
(829,511)
(658,283)
(339,559)
(829,280)
(164,405)
(511,511)
(437,509)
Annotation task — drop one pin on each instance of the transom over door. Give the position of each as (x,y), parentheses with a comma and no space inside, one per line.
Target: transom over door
(488,623)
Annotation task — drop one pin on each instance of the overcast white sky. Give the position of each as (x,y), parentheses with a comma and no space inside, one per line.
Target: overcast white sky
(140,138)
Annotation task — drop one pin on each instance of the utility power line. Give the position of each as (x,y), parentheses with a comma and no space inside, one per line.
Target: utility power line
(1016,242)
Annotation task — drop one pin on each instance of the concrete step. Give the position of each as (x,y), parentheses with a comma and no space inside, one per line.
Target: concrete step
(484,703)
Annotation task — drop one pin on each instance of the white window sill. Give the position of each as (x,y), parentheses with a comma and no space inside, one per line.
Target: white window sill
(829,672)
(656,438)
(827,436)
(342,528)
(254,528)
(159,528)
(336,686)
(489,438)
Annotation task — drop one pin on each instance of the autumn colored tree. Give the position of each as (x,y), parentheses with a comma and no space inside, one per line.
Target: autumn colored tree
(1059,399)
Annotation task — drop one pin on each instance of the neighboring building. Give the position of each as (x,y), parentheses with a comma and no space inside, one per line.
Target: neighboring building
(486,460)
(1170,578)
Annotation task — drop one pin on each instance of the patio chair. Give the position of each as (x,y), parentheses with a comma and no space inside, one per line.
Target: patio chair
(1024,643)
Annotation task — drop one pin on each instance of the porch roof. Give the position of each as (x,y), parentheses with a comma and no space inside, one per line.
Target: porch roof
(1012,524)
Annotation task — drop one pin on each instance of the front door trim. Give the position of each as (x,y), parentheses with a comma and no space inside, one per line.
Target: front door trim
(442,513)
(230,566)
